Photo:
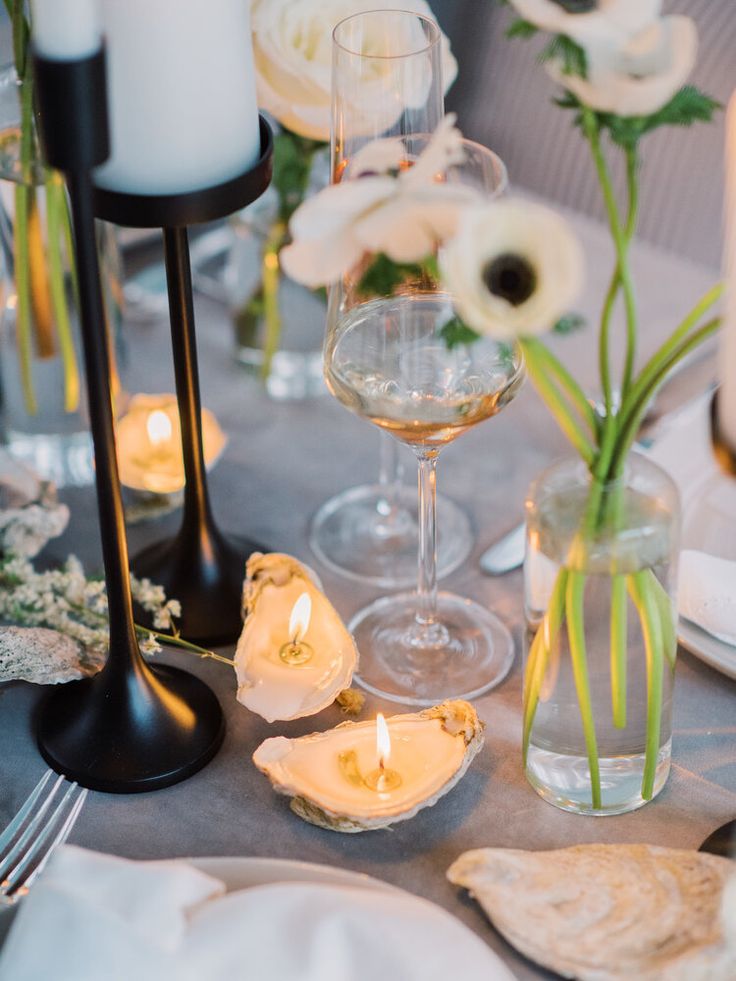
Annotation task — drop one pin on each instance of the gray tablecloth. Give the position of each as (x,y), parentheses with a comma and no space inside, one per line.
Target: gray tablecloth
(282,462)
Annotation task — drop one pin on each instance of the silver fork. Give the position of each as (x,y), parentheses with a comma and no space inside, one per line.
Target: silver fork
(42,823)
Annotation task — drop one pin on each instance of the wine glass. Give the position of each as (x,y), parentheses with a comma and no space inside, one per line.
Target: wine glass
(387,81)
(388,359)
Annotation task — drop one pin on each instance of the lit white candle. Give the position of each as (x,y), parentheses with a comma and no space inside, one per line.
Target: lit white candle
(727,357)
(181,94)
(66,30)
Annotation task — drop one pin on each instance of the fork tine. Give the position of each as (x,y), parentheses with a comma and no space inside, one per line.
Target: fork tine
(24,860)
(29,869)
(18,847)
(15,825)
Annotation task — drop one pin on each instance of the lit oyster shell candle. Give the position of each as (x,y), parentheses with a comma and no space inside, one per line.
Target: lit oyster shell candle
(361,776)
(149,444)
(295,655)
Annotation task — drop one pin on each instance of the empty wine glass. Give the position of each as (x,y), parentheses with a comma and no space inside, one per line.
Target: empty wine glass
(387,81)
(388,359)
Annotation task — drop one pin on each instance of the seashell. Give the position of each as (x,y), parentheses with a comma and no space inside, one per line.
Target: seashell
(269,685)
(43,656)
(327,774)
(607,912)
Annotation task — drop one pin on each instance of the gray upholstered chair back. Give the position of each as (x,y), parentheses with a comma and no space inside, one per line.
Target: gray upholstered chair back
(503,99)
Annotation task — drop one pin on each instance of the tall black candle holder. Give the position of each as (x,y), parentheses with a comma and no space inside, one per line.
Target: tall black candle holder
(132,727)
(199,566)
(723,840)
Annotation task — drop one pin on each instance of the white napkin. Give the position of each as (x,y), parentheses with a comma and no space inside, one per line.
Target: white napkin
(707,584)
(708,593)
(92,917)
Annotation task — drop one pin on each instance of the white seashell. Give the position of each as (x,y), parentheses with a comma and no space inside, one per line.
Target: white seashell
(607,912)
(324,772)
(43,657)
(267,685)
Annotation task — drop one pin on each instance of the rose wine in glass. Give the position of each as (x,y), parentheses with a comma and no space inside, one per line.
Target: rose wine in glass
(388,361)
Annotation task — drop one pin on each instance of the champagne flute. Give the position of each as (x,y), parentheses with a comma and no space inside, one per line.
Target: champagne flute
(387,81)
(388,360)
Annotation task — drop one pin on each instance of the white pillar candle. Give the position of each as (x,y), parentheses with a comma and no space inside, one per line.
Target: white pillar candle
(181,94)
(66,30)
(727,354)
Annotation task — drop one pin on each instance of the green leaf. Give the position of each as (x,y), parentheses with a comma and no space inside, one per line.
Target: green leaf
(292,164)
(383,275)
(521,28)
(570,323)
(455,332)
(686,107)
(570,55)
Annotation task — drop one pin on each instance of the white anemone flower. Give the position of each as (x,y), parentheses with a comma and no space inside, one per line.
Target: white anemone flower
(641,77)
(590,22)
(292,49)
(405,215)
(513,269)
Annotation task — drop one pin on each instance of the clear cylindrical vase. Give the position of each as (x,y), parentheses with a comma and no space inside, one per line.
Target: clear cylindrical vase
(43,412)
(600,603)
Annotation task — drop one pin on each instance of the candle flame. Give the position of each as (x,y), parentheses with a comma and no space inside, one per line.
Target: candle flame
(159,428)
(383,740)
(301,614)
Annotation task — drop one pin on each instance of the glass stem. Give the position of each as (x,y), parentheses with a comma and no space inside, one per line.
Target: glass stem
(427,570)
(390,476)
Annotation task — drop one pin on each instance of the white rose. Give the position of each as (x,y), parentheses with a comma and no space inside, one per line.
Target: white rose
(590,22)
(406,216)
(641,77)
(513,269)
(292,46)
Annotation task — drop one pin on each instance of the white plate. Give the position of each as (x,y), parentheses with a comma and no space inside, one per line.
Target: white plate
(245,873)
(707,648)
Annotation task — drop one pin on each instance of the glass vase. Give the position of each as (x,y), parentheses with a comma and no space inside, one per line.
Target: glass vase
(600,602)
(278,324)
(43,412)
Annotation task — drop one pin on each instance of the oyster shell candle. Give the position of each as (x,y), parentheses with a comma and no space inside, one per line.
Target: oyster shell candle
(149,444)
(295,655)
(362,776)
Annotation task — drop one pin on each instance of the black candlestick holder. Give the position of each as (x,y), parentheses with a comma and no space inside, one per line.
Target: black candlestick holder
(132,727)
(199,566)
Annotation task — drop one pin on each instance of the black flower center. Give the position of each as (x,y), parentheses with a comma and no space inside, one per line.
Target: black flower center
(511,277)
(577,6)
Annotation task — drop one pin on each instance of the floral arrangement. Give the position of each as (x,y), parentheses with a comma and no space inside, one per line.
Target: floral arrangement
(513,269)
(61,627)
(292,47)
(42,248)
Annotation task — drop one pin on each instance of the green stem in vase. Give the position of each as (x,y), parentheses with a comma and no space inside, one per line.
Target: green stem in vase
(632,181)
(23,296)
(66,223)
(579,658)
(545,359)
(271,275)
(635,411)
(21,223)
(666,617)
(557,404)
(646,382)
(591,129)
(619,606)
(651,628)
(539,654)
(54,209)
